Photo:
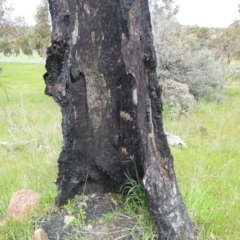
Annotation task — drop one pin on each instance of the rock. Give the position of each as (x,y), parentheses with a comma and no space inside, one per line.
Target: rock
(68,220)
(175,140)
(89,227)
(40,234)
(21,203)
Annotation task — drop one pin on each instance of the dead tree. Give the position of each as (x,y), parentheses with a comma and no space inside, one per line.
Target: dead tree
(101,71)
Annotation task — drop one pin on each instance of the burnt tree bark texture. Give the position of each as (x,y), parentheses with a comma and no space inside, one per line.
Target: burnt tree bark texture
(101,71)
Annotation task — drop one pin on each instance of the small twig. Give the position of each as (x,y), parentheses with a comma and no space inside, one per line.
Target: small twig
(24,115)
(107,233)
(125,216)
(126,234)
(22,108)
(6,94)
(230,76)
(230,81)
(10,121)
(121,237)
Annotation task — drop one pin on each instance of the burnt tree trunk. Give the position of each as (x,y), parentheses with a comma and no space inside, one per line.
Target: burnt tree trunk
(101,71)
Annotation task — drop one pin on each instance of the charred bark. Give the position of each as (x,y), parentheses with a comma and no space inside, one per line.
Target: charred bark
(101,71)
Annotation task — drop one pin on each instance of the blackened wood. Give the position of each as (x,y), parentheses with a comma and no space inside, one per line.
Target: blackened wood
(101,71)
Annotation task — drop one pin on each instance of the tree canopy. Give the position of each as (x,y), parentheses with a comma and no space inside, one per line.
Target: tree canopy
(10,25)
(182,56)
(41,31)
(16,36)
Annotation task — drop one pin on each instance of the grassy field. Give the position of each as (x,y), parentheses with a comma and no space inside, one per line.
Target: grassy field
(207,170)
(235,63)
(30,124)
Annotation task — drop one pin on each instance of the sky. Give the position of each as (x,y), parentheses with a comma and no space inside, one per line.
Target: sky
(25,8)
(207,13)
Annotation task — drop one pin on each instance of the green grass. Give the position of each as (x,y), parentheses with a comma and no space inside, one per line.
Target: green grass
(135,204)
(235,63)
(207,171)
(30,124)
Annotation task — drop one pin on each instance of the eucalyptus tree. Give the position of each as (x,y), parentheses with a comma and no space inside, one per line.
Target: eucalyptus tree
(11,27)
(181,55)
(41,30)
(101,70)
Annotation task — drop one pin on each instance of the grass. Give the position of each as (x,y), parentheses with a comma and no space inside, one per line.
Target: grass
(207,170)
(135,204)
(30,124)
(235,63)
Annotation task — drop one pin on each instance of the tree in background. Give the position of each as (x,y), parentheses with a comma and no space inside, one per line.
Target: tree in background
(24,43)
(11,27)
(181,56)
(167,9)
(16,36)
(41,31)
(5,47)
(225,43)
(201,34)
